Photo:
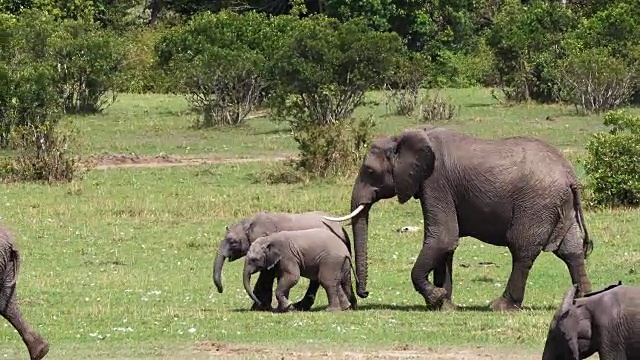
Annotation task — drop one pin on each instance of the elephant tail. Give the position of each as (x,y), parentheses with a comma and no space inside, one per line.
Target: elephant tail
(587,244)
(347,240)
(355,276)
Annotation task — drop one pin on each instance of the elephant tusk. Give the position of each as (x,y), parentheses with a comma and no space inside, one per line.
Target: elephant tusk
(346,217)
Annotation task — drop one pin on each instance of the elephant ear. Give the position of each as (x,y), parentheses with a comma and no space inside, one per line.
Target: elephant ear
(260,226)
(412,160)
(272,256)
(567,301)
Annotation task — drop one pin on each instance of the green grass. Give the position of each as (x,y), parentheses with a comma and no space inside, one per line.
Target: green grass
(134,247)
(150,124)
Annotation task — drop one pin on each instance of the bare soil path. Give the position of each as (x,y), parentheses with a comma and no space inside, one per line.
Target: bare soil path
(227,351)
(111,161)
(114,161)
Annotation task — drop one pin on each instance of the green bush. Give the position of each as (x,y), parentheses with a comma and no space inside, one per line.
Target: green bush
(612,163)
(324,68)
(218,61)
(86,58)
(318,76)
(332,149)
(616,29)
(525,39)
(437,109)
(140,73)
(594,81)
(42,152)
(89,61)
(402,91)
(31,106)
(27,97)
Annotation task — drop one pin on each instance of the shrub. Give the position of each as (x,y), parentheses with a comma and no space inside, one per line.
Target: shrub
(219,62)
(403,90)
(140,73)
(323,70)
(89,60)
(30,109)
(594,81)
(616,28)
(612,162)
(436,109)
(42,153)
(27,97)
(525,39)
(318,77)
(332,149)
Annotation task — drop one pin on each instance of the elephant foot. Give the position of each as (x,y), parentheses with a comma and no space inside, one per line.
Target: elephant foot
(256,307)
(304,304)
(502,304)
(39,351)
(447,305)
(284,307)
(436,298)
(334,309)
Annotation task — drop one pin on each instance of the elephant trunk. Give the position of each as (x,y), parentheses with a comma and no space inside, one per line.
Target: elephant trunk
(360,227)
(246,279)
(217,266)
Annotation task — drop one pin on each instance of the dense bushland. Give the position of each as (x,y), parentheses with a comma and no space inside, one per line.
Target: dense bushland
(311,62)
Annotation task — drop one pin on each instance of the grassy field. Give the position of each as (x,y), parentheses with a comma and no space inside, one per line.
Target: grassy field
(118,265)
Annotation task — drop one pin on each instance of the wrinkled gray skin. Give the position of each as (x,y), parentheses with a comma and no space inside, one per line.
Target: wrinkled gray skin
(516,192)
(606,322)
(9,265)
(316,254)
(239,237)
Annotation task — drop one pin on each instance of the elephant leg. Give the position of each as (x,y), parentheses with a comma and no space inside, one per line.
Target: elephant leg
(309,297)
(263,289)
(443,277)
(37,346)
(285,283)
(330,278)
(431,257)
(333,298)
(571,253)
(522,261)
(347,288)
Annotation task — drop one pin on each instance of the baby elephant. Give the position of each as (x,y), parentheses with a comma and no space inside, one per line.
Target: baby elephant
(9,265)
(606,322)
(316,254)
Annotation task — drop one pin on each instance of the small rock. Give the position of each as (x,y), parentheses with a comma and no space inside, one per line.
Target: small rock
(405,229)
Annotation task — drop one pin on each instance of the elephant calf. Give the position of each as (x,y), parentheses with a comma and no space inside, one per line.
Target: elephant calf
(606,322)
(9,264)
(316,254)
(241,235)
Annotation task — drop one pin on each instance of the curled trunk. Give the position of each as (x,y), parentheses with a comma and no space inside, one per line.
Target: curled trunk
(247,286)
(217,266)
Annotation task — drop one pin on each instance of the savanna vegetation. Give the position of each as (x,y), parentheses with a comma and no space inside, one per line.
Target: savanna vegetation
(117,261)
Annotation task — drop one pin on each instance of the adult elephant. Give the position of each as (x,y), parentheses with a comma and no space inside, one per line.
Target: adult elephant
(516,192)
(37,345)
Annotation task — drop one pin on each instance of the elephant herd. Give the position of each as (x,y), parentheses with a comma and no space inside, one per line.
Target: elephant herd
(516,192)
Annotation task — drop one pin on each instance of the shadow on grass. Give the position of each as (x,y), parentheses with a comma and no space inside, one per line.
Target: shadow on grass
(280,131)
(478,105)
(418,307)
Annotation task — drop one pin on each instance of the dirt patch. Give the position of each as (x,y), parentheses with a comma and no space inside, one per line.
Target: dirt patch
(114,161)
(214,350)
(111,161)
